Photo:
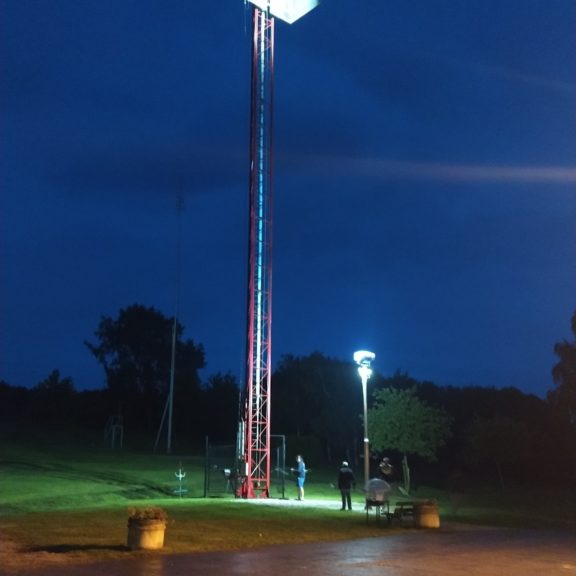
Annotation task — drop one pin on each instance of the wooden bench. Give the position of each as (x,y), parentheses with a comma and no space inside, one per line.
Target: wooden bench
(404,508)
(423,513)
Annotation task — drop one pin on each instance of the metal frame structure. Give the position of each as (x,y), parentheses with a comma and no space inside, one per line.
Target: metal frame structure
(254,426)
(256,477)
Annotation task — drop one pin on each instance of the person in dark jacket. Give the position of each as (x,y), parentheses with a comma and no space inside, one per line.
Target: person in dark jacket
(346,481)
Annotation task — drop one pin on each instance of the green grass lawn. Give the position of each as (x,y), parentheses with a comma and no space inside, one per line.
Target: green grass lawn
(62,504)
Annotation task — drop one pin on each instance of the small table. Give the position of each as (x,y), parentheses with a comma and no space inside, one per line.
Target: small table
(381,509)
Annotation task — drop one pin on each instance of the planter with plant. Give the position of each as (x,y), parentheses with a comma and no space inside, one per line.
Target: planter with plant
(146,528)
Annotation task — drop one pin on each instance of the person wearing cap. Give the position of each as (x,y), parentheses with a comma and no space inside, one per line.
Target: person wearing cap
(346,481)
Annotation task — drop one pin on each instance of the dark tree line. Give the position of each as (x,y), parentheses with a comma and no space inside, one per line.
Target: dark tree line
(317,398)
(144,356)
(499,435)
(135,352)
(564,374)
(502,436)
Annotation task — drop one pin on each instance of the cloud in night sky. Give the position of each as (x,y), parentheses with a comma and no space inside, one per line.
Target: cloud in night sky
(425,171)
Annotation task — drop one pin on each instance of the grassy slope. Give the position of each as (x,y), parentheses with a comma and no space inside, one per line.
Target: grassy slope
(60,504)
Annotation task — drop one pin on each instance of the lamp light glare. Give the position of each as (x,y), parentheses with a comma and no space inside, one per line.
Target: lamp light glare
(364,357)
(287,10)
(365,372)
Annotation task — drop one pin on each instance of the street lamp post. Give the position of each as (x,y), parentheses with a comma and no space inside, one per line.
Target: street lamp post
(363,358)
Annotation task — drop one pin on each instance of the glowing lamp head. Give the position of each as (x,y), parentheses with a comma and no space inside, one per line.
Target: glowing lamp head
(287,10)
(364,358)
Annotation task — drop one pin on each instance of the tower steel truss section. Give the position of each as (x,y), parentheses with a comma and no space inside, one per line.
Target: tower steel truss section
(254,429)
(256,456)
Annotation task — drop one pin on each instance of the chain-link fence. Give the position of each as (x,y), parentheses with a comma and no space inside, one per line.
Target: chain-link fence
(221,477)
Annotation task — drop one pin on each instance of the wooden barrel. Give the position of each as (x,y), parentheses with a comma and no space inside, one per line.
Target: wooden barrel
(426,515)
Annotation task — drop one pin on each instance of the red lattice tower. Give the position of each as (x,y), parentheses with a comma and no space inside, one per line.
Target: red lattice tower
(254,433)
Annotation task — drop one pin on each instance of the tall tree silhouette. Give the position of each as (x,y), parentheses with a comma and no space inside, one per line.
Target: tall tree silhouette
(135,351)
(400,421)
(564,374)
(320,397)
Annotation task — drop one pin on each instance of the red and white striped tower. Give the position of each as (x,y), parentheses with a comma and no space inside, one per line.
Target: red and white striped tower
(254,429)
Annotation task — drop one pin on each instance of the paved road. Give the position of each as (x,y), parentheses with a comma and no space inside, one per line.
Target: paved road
(449,551)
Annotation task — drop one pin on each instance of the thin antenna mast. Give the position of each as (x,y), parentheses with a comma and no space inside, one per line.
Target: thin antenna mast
(179,207)
(168,407)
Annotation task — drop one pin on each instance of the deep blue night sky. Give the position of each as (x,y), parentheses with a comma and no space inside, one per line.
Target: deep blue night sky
(425,182)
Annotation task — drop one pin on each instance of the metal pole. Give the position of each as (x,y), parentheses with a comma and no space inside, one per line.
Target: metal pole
(179,206)
(171,394)
(363,359)
(366,441)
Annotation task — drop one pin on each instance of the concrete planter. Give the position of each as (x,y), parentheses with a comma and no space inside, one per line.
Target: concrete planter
(426,515)
(146,533)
